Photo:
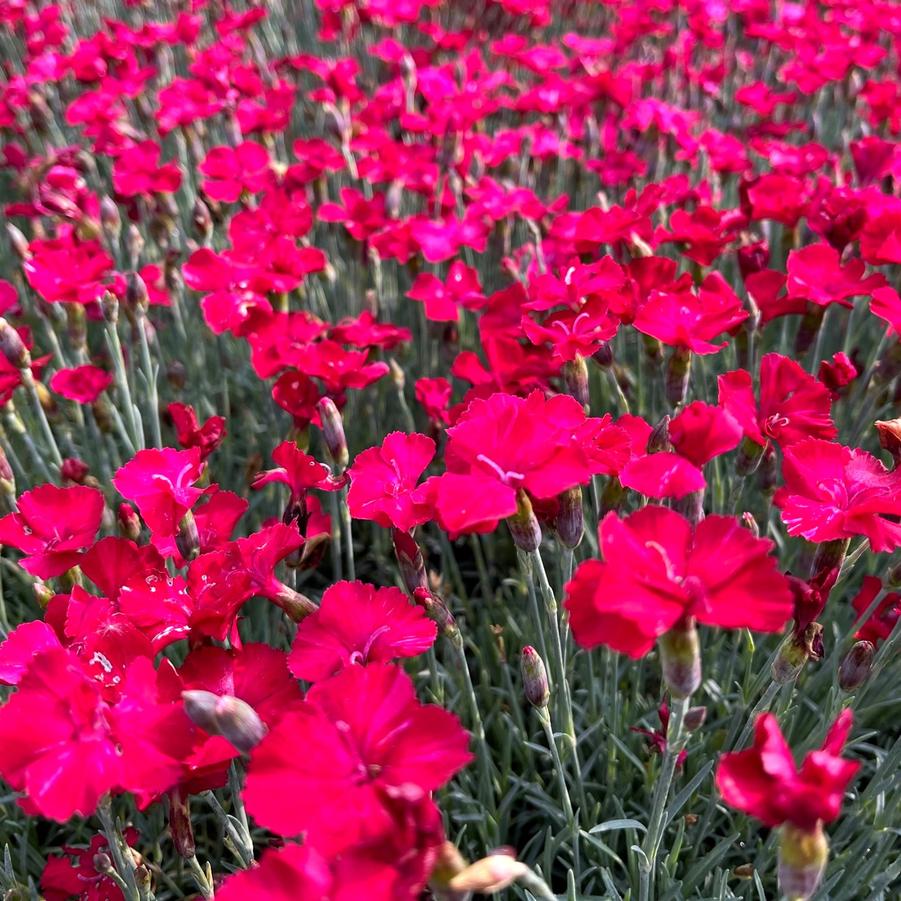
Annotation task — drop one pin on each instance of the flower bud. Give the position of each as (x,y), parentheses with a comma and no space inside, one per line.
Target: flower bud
(18,241)
(659,440)
(409,560)
(694,718)
(750,453)
(448,863)
(110,219)
(570,523)
(102,862)
(489,875)
(603,356)
(129,521)
(296,605)
(524,525)
(680,658)
(74,471)
(333,432)
(534,678)
(748,521)
(43,593)
(187,539)
(802,860)
(201,221)
(889,432)
(13,347)
(235,720)
(397,374)
(575,374)
(134,244)
(136,292)
(856,665)
(437,611)
(795,651)
(678,373)
(7,477)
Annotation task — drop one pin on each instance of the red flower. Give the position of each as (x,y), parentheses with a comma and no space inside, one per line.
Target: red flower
(161,483)
(663,474)
(83,384)
(701,432)
(383,482)
(292,873)
(232,171)
(505,443)
(443,299)
(692,321)
(883,619)
(657,571)
(66,272)
(136,171)
(75,874)
(364,735)
(65,747)
(434,396)
(815,273)
(299,471)
(793,405)
(53,527)
(765,782)
(358,624)
(833,492)
(191,434)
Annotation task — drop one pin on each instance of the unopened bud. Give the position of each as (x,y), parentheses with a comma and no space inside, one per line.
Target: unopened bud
(802,860)
(489,875)
(603,356)
(534,678)
(235,720)
(296,605)
(748,521)
(409,560)
(110,219)
(659,440)
(102,862)
(7,477)
(333,432)
(575,374)
(134,244)
(202,221)
(129,521)
(680,659)
(18,241)
(524,527)
(678,373)
(749,456)
(448,863)
(857,665)
(694,718)
(13,347)
(74,471)
(136,293)
(43,593)
(187,538)
(570,522)
(397,374)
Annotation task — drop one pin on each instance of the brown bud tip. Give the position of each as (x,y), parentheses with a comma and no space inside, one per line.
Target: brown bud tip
(534,678)
(796,650)
(333,432)
(235,720)
(856,665)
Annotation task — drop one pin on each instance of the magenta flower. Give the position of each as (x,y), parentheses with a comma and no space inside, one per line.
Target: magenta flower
(83,384)
(229,172)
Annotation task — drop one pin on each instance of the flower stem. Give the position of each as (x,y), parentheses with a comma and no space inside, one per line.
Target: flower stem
(675,741)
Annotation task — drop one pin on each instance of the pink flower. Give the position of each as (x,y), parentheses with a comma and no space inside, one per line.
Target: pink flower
(364,735)
(701,432)
(358,624)
(816,274)
(137,171)
(383,482)
(657,570)
(83,384)
(765,782)
(53,527)
(74,873)
(161,483)
(793,405)
(434,397)
(191,434)
(832,492)
(883,619)
(229,172)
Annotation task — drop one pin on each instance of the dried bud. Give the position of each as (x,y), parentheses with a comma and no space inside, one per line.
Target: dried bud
(802,860)
(748,521)
(397,374)
(570,522)
(680,658)
(409,560)
(448,863)
(889,432)
(795,651)
(534,678)
(180,823)
(524,525)
(13,347)
(74,471)
(489,875)
(235,720)
(202,221)
(129,521)
(333,432)
(575,374)
(856,666)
